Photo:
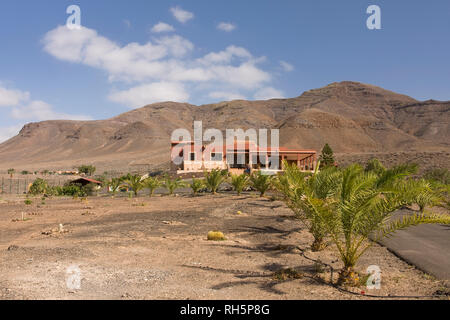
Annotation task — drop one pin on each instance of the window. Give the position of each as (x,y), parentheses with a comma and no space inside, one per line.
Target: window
(216,156)
(192,156)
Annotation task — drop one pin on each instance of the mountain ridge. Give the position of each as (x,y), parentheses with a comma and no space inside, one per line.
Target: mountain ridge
(353,117)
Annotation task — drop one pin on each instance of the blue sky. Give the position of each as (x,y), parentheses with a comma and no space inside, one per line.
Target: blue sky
(131,53)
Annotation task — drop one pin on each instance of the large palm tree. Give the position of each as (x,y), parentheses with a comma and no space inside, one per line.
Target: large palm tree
(351,205)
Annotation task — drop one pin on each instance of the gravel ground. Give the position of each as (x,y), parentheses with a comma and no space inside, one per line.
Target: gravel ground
(156,248)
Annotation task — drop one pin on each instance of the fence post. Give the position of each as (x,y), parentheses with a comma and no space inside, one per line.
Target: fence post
(10,186)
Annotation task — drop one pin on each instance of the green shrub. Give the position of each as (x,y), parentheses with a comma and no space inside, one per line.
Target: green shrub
(87,170)
(39,186)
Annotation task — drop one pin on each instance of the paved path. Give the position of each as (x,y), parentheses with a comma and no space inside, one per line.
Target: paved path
(425,246)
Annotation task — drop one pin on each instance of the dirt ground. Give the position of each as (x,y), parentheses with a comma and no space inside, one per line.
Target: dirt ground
(157,248)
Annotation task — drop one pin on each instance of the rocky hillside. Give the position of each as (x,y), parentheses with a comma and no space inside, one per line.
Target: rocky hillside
(354,118)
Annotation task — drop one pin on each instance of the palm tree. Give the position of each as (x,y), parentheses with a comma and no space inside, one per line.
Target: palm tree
(240,182)
(197,185)
(134,182)
(173,184)
(261,182)
(291,184)
(114,184)
(425,193)
(352,204)
(152,184)
(214,179)
(11,172)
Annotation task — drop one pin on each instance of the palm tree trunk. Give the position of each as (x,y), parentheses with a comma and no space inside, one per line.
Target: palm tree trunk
(348,277)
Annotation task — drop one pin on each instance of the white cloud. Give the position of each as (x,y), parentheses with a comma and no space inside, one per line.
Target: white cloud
(162,27)
(165,59)
(222,95)
(9,132)
(181,15)
(151,93)
(286,66)
(24,109)
(268,93)
(40,111)
(226,26)
(176,45)
(11,97)
(226,56)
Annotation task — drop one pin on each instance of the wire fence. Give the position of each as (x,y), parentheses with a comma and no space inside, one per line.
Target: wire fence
(22,185)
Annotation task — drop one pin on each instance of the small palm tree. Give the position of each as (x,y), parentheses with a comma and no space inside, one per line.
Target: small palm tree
(152,184)
(134,182)
(214,179)
(11,172)
(114,184)
(261,182)
(240,182)
(424,193)
(353,204)
(290,185)
(197,185)
(173,184)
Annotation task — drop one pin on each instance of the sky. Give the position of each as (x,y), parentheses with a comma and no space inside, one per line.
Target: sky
(127,54)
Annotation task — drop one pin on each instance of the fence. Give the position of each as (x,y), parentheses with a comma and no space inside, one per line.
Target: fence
(21,185)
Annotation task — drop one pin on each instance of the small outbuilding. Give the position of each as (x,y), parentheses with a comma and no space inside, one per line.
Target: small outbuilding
(86,181)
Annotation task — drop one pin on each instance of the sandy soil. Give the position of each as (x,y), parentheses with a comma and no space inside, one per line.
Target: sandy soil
(157,249)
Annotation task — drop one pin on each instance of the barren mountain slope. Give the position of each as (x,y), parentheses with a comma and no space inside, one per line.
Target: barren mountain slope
(352,117)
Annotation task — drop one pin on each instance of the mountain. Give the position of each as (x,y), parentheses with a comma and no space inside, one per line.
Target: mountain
(354,118)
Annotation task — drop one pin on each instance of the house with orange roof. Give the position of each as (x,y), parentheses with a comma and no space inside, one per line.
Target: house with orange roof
(187,157)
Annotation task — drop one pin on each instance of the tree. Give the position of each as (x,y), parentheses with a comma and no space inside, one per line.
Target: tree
(319,184)
(173,184)
(114,184)
(197,185)
(352,204)
(11,172)
(240,182)
(134,182)
(152,184)
(87,170)
(326,158)
(39,186)
(424,193)
(261,182)
(214,179)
